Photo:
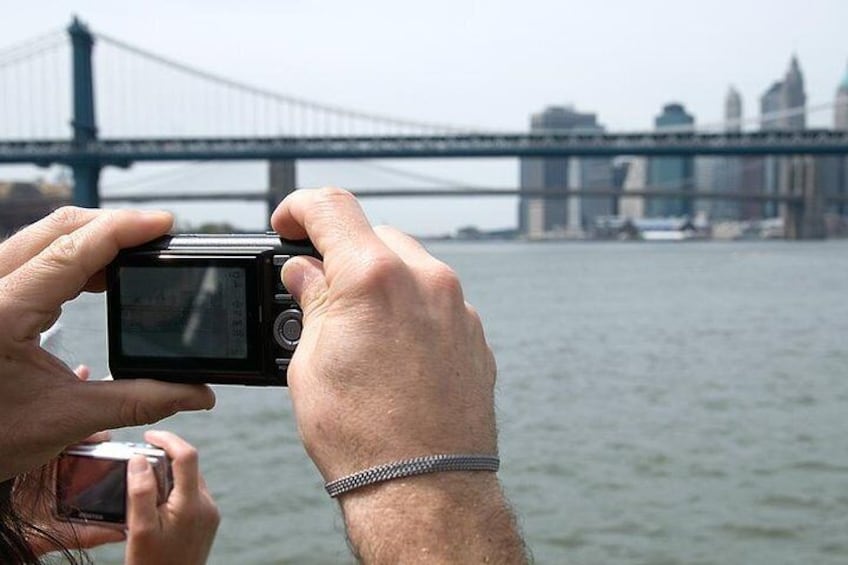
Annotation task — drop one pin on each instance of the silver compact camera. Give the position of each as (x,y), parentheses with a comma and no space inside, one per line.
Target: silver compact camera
(91,480)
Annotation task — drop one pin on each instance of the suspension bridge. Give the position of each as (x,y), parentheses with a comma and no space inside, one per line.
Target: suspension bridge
(153,109)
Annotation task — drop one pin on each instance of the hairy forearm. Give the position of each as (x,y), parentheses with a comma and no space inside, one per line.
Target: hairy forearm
(460,517)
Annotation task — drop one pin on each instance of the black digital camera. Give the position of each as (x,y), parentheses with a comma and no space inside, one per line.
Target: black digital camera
(91,481)
(204,309)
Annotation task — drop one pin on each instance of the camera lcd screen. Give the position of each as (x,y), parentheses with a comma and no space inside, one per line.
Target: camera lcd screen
(91,488)
(183,312)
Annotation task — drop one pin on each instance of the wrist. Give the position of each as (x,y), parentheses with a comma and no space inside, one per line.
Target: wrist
(441,517)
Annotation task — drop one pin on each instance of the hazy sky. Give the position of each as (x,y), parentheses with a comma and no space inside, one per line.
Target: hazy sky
(484,63)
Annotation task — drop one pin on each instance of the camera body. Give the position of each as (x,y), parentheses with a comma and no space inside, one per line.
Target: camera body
(91,481)
(196,308)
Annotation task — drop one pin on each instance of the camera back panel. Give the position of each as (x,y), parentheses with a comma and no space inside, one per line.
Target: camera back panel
(204,309)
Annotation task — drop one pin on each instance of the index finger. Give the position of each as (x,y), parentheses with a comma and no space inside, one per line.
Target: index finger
(27,243)
(59,273)
(332,219)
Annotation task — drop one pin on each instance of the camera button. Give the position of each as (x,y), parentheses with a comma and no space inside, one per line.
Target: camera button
(287,328)
(280,259)
(280,297)
(282,363)
(291,330)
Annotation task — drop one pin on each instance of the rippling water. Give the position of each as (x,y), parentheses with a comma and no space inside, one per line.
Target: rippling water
(662,404)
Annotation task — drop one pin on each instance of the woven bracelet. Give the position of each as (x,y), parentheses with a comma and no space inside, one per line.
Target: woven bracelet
(412,467)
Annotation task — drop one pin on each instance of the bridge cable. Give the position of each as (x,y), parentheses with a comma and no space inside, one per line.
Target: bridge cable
(278,97)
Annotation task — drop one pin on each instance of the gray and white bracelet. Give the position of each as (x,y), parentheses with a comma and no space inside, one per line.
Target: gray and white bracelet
(412,467)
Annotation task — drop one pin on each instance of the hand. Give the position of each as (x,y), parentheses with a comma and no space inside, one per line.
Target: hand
(393,364)
(181,530)
(43,406)
(36,506)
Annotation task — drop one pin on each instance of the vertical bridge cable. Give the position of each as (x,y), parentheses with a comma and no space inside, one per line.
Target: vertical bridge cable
(29,108)
(236,106)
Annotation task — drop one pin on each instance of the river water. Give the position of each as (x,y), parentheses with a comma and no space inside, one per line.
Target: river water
(658,404)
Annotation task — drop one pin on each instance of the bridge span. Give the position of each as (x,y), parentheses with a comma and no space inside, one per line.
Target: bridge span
(87,152)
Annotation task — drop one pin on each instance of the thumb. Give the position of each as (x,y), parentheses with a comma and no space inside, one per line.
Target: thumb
(134,402)
(304,278)
(142,514)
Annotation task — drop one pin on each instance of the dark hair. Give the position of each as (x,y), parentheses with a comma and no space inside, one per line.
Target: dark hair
(13,545)
(15,530)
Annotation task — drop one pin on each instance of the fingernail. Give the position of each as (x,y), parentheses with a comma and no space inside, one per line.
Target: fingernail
(138,465)
(293,276)
(156,214)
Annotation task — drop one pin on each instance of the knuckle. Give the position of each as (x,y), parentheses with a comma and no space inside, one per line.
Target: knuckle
(144,489)
(144,532)
(474,316)
(135,412)
(66,216)
(334,193)
(63,251)
(188,454)
(109,223)
(213,514)
(380,270)
(445,279)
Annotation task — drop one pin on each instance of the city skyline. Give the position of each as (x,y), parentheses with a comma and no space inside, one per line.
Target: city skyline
(781,107)
(486,64)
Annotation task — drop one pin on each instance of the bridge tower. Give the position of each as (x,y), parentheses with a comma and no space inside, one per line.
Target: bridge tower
(86,172)
(282,179)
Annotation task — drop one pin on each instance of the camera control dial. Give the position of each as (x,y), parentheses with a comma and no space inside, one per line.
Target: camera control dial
(287,328)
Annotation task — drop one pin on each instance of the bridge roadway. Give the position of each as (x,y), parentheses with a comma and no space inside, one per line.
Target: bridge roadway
(123,152)
(482,191)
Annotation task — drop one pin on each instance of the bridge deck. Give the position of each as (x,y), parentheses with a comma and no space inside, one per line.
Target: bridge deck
(122,152)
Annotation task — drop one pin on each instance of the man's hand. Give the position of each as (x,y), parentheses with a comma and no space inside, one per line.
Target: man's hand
(393,364)
(43,406)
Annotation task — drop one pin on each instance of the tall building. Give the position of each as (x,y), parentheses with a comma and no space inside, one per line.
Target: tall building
(793,98)
(724,174)
(733,110)
(783,106)
(770,107)
(671,173)
(637,173)
(840,111)
(549,214)
(833,170)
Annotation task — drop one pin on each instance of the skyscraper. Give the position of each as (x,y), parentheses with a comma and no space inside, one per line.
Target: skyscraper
(770,107)
(833,170)
(724,174)
(550,213)
(637,174)
(783,106)
(793,98)
(840,111)
(671,173)
(733,110)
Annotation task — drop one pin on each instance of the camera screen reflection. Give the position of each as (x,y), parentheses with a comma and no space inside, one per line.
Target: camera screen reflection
(90,487)
(184,312)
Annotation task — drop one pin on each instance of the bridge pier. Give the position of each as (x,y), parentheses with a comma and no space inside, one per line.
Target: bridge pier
(282,180)
(86,174)
(804,219)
